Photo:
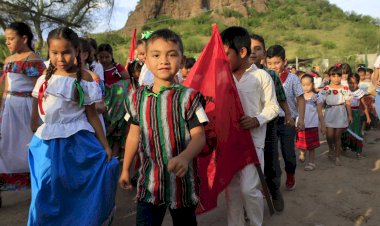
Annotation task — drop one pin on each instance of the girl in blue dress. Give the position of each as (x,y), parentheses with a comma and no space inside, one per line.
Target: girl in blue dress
(73,175)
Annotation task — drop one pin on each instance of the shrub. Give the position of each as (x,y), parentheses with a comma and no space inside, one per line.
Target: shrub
(329,45)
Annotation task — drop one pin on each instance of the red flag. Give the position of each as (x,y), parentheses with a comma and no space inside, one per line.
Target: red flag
(229,148)
(132,48)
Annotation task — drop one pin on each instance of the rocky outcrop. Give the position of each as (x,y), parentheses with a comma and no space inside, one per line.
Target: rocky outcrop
(183,9)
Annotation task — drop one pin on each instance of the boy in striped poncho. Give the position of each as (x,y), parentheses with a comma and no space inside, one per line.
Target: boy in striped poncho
(167,132)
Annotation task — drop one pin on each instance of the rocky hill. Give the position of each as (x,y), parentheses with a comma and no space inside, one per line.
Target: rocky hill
(183,9)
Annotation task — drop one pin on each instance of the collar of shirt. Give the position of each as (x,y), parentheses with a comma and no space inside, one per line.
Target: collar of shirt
(149,89)
(252,68)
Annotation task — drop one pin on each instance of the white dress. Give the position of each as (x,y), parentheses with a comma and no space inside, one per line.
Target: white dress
(15,123)
(335,99)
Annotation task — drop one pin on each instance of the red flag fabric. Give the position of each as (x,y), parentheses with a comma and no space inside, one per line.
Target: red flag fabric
(228,148)
(132,48)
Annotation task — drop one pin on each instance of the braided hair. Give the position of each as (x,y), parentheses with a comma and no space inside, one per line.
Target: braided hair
(69,35)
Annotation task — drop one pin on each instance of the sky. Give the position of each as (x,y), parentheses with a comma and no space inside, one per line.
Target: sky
(123,7)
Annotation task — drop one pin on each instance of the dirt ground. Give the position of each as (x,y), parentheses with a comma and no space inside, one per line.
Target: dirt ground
(329,196)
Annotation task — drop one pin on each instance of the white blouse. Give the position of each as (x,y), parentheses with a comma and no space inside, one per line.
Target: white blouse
(63,116)
(334,97)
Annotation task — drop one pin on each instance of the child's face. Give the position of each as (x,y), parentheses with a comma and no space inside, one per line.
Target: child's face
(335,79)
(235,59)
(84,56)
(14,41)
(136,75)
(276,64)
(353,84)
(62,54)
(344,76)
(368,76)
(163,59)
(185,72)
(105,58)
(141,52)
(362,75)
(257,52)
(326,76)
(293,70)
(307,85)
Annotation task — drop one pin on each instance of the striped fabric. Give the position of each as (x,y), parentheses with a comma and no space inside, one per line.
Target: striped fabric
(164,133)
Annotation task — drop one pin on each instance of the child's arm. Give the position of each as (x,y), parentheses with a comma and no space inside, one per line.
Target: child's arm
(34,118)
(125,75)
(321,118)
(93,118)
(180,164)
(349,112)
(301,112)
(289,121)
(131,147)
(366,112)
(4,91)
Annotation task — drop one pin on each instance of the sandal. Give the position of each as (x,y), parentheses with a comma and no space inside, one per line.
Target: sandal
(310,166)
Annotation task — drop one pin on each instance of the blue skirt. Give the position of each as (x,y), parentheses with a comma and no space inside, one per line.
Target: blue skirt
(72,182)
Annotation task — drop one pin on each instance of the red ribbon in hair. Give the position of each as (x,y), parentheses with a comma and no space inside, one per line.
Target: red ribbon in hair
(338,65)
(41,93)
(284,76)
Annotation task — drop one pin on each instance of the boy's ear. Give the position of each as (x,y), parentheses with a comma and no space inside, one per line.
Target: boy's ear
(243,52)
(24,39)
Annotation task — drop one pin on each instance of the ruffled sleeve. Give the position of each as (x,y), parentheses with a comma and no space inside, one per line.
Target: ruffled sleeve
(346,93)
(323,93)
(37,86)
(92,92)
(34,68)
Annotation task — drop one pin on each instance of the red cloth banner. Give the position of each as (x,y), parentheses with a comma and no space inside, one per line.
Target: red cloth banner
(132,47)
(228,148)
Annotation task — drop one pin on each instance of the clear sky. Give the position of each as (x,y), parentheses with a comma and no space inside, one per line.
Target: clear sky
(123,7)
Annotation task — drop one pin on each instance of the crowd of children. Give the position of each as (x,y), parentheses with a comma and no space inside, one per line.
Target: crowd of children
(63,125)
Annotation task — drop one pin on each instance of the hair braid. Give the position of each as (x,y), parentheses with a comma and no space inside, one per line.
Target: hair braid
(49,72)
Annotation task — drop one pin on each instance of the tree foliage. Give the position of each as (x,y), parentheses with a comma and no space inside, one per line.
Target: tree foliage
(48,14)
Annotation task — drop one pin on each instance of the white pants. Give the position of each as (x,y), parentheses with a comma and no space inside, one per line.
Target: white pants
(377,105)
(244,192)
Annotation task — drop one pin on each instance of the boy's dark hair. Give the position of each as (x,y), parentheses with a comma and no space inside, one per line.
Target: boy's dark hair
(167,35)
(260,39)
(276,51)
(299,73)
(237,38)
(335,70)
(362,69)
(346,68)
(370,70)
(94,45)
(189,62)
(22,29)
(354,75)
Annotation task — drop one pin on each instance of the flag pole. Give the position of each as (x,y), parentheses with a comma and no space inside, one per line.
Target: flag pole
(265,190)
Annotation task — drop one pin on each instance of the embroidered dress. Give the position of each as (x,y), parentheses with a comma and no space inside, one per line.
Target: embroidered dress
(353,138)
(335,112)
(15,123)
(72,182)
(165,120)
(116,91)
(308,139)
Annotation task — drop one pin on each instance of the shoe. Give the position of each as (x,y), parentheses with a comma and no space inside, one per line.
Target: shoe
(278,201)
(290,182)
(310,166)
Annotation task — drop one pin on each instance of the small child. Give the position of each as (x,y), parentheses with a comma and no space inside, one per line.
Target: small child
(186,67)
(73,174)
(346,71)
(338,112)
(116,89)
(365,81)
(308,140)
(134,70)
(167,132)
(353,137)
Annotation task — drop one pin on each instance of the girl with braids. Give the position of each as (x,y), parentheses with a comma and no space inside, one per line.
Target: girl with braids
(20,73)
(73,174)
(117,85)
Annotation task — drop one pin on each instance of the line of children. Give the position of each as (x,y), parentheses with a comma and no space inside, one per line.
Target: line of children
(73,174)
(21,71)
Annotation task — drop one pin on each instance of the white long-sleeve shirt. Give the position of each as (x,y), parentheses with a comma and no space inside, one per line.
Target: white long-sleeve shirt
(258,97)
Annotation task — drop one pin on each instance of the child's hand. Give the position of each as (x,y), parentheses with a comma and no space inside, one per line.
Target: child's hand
(124,181)
(323,130)
(178,165)
(350,120)
(109,153)
(289,121)
(300,124)
(247,122)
